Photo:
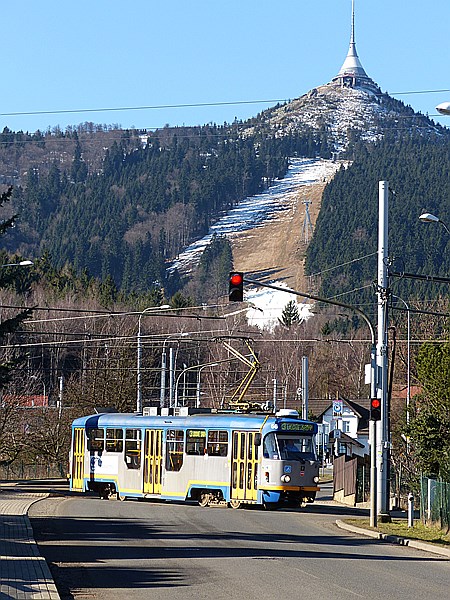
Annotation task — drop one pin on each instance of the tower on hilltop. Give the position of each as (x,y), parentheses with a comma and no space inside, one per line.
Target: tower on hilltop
(352,73)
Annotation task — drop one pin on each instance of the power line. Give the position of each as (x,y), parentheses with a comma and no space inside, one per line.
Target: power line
(185,105)
(123,108)
(343,264)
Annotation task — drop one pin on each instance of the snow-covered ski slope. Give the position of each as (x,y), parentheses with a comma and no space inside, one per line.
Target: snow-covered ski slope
(255,211)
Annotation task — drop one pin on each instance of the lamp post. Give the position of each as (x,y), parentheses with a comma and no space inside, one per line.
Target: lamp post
(200,369)
(162,395)
(193,367)
(429,218)
(139,355)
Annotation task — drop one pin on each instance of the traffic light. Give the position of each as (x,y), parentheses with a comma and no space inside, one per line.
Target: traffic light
(375,409)
(236,287)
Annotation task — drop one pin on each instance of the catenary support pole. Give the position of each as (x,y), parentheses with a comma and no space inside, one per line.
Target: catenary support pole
(382,433)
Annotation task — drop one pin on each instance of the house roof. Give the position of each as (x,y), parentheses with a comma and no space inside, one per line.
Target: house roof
(361,407)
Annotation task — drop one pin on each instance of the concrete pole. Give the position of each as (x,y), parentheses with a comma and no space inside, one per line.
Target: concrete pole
(382,426)
(171,376)
(60,402)
(373,473)
(162,396)
(138,369)
(304,387)
(197,391)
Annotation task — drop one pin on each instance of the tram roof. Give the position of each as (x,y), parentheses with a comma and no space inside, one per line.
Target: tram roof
(212,420)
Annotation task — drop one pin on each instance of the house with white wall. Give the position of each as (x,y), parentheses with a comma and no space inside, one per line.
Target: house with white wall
(347,428)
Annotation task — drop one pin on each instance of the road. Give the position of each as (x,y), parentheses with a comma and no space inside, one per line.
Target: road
(133,550)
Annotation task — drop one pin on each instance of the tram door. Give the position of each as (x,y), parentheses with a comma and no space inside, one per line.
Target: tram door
(244,469)
(152,461)
(78,459)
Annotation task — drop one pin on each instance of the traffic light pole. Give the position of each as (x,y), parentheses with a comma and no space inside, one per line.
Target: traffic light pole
(373,379)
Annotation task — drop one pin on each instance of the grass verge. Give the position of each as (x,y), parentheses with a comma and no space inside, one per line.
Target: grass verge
(399,527)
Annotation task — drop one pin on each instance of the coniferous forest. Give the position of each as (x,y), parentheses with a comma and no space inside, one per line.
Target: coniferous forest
(129,215)
(346,233)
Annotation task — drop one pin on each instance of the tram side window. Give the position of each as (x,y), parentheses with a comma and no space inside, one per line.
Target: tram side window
(217,443)
(174,449)
(114,440)
(96,440)
(133,448)
(195,441)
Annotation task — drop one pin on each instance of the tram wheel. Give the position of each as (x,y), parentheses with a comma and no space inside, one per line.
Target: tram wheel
(204,499)
(235,504)
(121,498)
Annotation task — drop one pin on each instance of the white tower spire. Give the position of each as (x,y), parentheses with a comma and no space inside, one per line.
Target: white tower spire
(352,72)
(352,64)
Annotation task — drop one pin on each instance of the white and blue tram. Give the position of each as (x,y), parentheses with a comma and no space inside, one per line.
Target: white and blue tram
(210,458)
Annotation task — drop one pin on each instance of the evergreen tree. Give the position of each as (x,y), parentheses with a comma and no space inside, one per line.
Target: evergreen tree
(290,315)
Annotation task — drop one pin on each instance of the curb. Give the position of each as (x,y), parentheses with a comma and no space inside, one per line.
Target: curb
(393,539)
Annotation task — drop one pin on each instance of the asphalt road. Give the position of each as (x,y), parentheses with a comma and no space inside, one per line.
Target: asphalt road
(131,550)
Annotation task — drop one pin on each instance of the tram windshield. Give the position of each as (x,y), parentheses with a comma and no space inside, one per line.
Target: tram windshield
(289,447)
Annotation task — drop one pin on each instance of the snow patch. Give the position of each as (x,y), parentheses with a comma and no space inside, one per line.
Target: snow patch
(267,306)
(255,211)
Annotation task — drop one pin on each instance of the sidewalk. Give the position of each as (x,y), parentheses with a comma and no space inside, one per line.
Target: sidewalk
(24,574)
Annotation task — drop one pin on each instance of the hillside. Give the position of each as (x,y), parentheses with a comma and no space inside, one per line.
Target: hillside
(277,250)
(124,205)
(343,116)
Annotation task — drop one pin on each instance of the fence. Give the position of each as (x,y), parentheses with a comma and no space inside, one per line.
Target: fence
(350,480)
(435,502)
(22,470)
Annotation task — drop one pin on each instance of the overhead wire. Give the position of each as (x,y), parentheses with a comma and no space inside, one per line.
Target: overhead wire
(185,105)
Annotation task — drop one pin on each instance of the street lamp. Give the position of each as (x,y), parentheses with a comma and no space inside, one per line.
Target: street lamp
(199,367)
(429,218)
(22,263)
(443,108)
(162,396)
(139,355)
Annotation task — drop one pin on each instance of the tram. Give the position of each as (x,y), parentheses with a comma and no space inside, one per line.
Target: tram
(209,458)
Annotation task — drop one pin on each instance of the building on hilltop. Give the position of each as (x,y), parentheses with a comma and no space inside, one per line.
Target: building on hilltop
(352,73)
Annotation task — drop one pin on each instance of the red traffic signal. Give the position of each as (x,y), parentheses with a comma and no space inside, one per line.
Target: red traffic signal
(236,287)
(375,409)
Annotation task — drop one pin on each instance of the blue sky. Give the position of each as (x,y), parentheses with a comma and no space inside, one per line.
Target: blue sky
(59,55)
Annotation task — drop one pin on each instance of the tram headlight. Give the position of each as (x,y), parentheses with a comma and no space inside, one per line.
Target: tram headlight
(285,478)
(316,479)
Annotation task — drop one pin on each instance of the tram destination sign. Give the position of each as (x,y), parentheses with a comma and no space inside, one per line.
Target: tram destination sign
(304,427)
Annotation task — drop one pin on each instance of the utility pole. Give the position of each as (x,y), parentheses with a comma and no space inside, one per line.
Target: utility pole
(304,387)
(382,426)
